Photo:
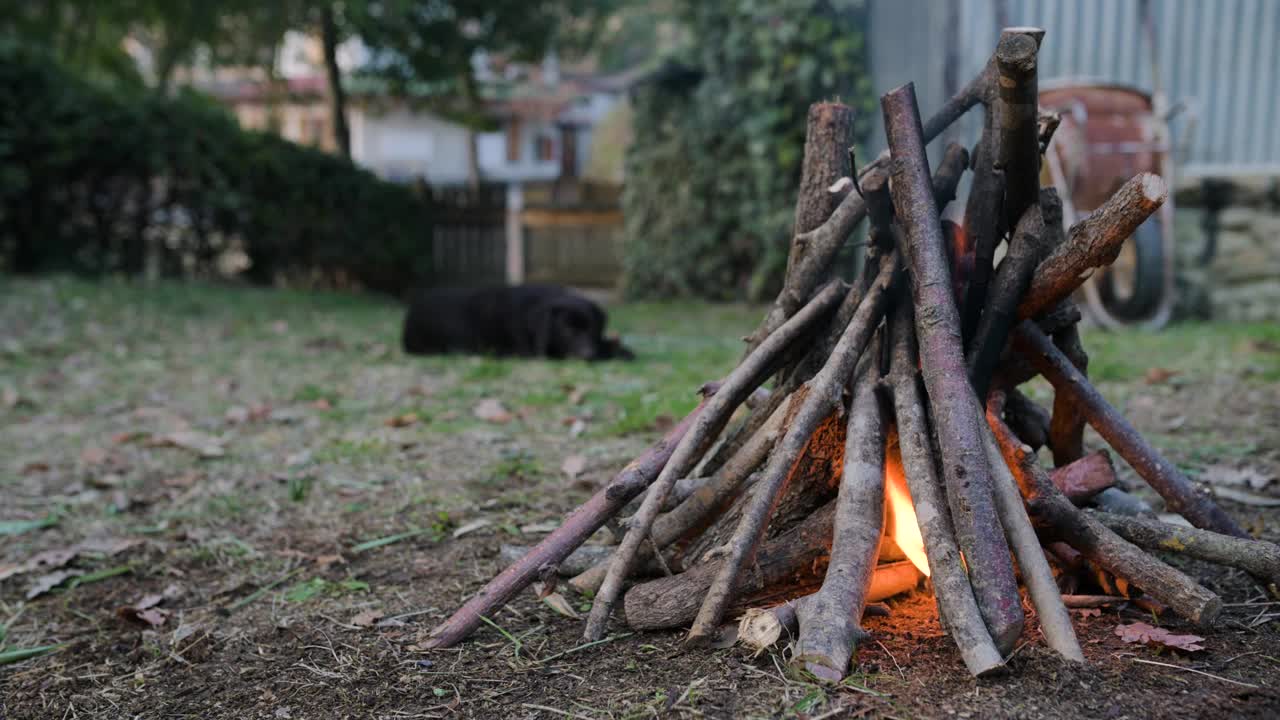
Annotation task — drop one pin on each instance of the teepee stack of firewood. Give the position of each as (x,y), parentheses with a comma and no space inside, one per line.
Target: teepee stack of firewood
(899,391)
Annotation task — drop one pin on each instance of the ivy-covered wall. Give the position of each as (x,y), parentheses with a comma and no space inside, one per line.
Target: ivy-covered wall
(714,165)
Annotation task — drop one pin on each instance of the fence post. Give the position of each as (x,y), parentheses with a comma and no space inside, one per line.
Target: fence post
(515,234)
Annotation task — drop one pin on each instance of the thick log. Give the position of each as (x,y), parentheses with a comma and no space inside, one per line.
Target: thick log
(1016,120)
(790,565)
(576,528)
(760,628)
(1066,426)
(950,584)
(951,396)
(1055,622)
(983,221)
(1026,250)
(1082,479)
(739,384)
(1027,418)
(1093,242)
(822,397)
(829,135)
(1257,557)
(830,627)
(1179,493)
(1100,545)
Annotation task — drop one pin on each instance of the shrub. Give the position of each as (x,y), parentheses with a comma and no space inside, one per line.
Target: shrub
(712,174)
(103,180)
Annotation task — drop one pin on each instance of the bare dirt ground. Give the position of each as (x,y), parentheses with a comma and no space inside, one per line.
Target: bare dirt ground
(231,503)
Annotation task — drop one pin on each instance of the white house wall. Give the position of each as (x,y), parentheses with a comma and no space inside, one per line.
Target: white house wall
(401,145)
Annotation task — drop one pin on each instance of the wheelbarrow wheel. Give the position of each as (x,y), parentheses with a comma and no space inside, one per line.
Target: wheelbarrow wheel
(1130,288)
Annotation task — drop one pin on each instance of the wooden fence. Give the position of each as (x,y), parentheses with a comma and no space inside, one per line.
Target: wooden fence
(568,233)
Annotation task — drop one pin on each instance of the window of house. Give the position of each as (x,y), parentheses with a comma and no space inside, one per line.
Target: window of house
(546,146)
(513,140)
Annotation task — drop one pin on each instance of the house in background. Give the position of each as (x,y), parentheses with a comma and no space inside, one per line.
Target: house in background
(544,119)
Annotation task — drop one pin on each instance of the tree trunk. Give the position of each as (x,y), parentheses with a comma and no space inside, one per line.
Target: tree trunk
(337,96)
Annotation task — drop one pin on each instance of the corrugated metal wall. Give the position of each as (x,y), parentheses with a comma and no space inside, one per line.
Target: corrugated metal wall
(1222,57)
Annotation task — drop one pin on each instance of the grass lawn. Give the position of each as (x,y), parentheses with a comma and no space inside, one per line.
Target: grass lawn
(273,466)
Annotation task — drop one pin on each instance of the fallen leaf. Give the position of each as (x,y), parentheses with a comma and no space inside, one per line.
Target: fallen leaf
(325,561)
(577,394)
(400,421)
(1159,375)
(236,415)
(32,468)
(93,456)
(149,601)
(536,528)
(492,410)
(1246,498)
(321,404)
(573,466)
(470,527)
(556,602)
(577,428)
(153,617)
(368,618)
(109,481)
(45,583)
(1089,612)
(185,480)
(203,444)
(1250,477)
(1144,634)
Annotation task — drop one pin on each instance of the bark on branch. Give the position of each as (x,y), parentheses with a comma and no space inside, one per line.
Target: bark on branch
(737,386)
(821,397)
(1257,557)
(951,396)
(830,619)
(951,586)
(1179,493)
(1093,242)
(1100,545)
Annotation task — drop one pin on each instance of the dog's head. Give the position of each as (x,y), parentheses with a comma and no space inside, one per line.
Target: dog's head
(570,327)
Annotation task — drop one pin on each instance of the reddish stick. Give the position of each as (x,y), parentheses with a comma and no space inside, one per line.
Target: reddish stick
(946,379)
(1178,492)
(577,527)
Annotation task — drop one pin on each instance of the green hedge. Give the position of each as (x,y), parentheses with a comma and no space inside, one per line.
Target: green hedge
(107,181)
(713,171)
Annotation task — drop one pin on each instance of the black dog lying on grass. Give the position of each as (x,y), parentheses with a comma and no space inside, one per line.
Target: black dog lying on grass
(523,321)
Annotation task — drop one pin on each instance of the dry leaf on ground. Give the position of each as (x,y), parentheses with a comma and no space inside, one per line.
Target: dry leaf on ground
(1144,634)
(400,421)
(492,410)
(470,527)
(573,466)
(45,583)
(203,444)
(368,618)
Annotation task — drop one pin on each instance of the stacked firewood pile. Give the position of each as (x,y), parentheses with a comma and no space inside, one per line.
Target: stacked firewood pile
(900,391)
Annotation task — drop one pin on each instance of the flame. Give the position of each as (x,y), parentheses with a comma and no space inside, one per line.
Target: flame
(900,514)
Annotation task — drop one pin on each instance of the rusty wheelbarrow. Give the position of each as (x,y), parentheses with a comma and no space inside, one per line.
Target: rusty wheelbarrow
(1108,134)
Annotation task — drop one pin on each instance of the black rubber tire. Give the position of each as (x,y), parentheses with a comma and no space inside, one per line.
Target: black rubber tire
(1133,293)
